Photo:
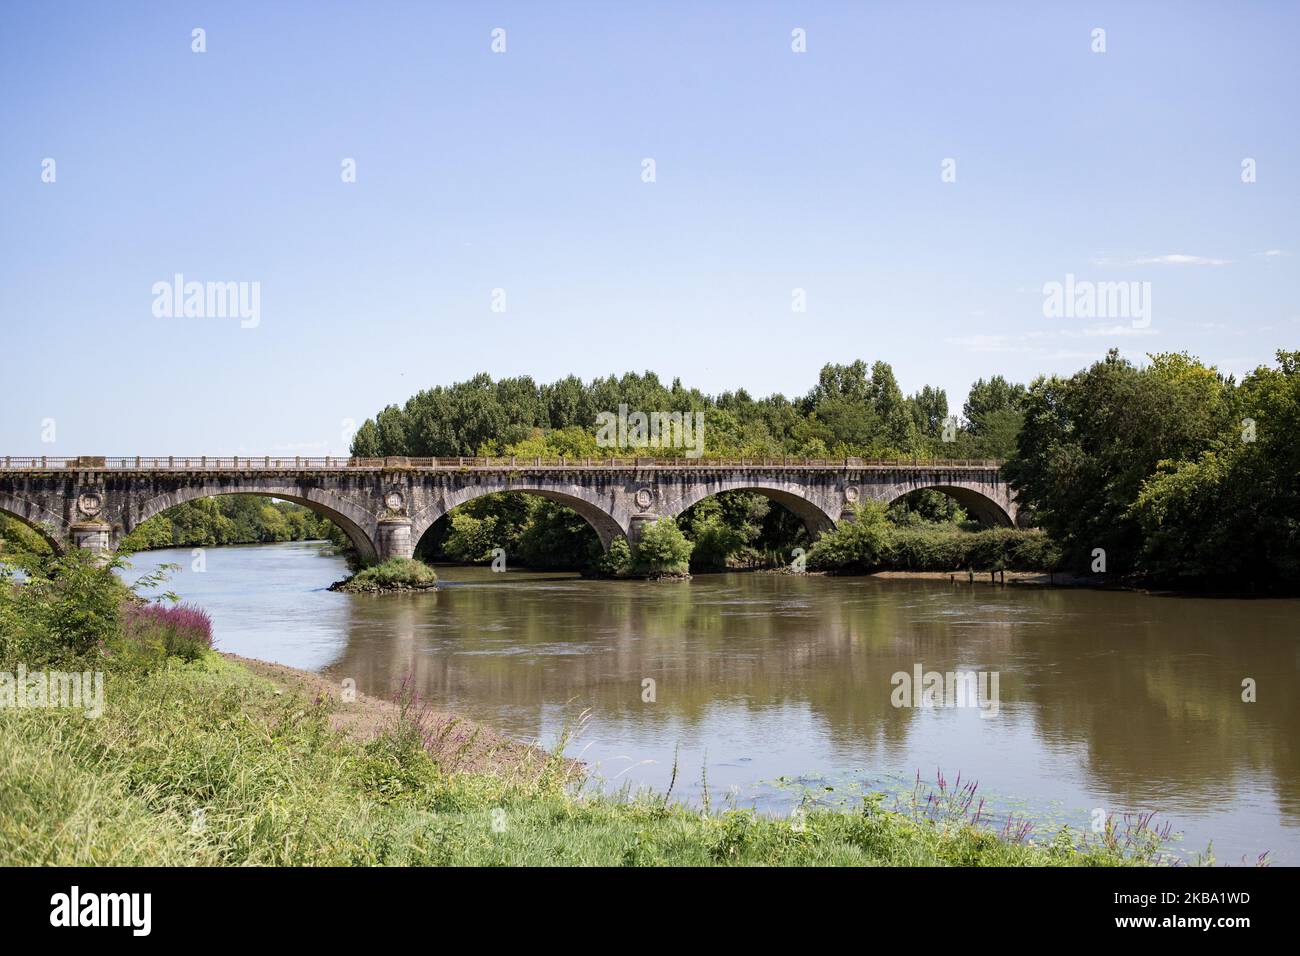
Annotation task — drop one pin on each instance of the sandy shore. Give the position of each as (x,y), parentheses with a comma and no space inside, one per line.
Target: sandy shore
(457,743)
(1035,578)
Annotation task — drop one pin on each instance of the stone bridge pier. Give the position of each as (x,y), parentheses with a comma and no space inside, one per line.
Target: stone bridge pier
(385,506)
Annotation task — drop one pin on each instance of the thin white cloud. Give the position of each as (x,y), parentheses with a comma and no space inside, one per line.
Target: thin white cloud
(1170,259)
(1177,259)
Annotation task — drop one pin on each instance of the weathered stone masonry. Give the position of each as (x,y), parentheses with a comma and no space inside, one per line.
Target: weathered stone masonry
(385,508)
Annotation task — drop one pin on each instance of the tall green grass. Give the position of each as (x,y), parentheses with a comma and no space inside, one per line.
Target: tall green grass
(206,763)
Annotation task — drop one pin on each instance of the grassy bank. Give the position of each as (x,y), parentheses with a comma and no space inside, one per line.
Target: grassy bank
(208,762)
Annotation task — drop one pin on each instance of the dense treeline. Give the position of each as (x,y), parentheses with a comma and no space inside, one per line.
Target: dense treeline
(231,519)
(1170,472)
(853,409)
(1166,472)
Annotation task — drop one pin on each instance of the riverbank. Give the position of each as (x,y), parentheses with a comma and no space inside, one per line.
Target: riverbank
(1056,579)
(1063,579)
(455,743)
(226,761)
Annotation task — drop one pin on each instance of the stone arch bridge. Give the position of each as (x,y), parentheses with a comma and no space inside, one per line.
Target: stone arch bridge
(386,505)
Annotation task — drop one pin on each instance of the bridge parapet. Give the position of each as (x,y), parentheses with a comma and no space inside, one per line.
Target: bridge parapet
(238,463)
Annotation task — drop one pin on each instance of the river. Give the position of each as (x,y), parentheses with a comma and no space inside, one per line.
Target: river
(768,689)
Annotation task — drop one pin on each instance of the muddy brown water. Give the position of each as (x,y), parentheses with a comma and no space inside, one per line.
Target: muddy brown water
(771,689)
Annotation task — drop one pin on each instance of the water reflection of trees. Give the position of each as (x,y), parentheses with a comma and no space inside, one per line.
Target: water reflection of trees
(1143,686)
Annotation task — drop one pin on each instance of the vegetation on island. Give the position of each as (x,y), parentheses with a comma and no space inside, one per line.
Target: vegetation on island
(662,552)
(395,574)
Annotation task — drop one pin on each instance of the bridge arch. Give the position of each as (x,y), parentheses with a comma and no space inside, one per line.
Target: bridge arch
(608,521)
(50,526)
(792,497)
(357,523)
(989,506)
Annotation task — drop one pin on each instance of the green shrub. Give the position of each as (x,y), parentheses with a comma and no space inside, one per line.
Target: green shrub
(872,542)
(61,606)
(663,549)
(858,545)
(471,539)
(618,559)
(992,549)
(715,541)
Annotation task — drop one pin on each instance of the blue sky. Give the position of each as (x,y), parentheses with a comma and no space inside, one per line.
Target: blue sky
(522,171)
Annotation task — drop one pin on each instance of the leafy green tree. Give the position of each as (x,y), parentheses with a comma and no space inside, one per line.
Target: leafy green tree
(994,413)
(1233,512)
(994,395)
(929,411)
(617,560)
(1090,441)
(1184,511)
(900,434)
(926,506)
(722,526)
